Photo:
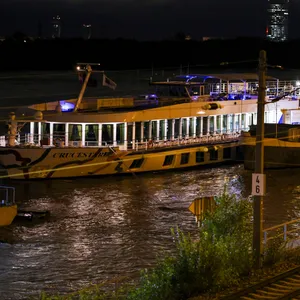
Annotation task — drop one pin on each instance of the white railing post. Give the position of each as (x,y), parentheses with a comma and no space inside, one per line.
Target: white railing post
(31,139)
(51,134)
(284,231)
(265,237)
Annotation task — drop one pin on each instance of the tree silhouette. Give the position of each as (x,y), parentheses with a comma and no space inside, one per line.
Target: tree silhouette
(19,36)
(180,36)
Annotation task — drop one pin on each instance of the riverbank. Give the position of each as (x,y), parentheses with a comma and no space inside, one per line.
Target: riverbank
(215,264)
(287,262)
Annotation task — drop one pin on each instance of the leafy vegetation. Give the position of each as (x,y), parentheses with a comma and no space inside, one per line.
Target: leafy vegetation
(219,257)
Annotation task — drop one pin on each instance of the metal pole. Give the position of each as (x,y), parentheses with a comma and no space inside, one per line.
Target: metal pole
(259,160)
(276,128)
(277,94)
(80,97)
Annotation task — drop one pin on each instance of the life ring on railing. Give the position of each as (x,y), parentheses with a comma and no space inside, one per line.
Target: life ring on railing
(150,143)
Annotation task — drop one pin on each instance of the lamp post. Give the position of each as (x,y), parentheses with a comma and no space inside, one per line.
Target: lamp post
(258,178)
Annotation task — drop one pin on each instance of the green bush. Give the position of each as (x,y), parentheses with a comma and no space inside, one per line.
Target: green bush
(275,251)
(96,292)
(157,283)
(220,255)
(230,228)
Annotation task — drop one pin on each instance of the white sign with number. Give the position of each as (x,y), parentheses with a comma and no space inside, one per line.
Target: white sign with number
(258,184)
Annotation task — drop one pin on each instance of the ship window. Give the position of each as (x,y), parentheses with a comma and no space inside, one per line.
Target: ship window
(184,158)
(213,154)
(136,163)
(226,153)
(199,157)
(168,160)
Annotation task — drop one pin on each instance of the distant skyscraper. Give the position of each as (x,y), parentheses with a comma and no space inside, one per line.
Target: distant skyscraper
(278,18)
(56,27)
(87,31)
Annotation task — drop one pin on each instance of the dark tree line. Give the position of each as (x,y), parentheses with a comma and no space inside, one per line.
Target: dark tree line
(21,53)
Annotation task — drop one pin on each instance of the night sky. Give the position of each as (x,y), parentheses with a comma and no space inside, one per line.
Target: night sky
(142,19)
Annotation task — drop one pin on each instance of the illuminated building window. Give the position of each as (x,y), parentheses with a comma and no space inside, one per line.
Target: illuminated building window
(56,27)
(278,17)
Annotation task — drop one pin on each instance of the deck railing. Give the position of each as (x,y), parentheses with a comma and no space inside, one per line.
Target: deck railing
(208,139)
(285,231)
(32,141)
(251,88)
(8,195)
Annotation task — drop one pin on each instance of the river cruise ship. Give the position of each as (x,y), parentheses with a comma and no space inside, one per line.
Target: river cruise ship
(189,121)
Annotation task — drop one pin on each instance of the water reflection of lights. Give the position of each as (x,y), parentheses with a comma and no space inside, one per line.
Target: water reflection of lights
(82,202)
(85,206)
(82,205)
(296,190)
(80,247)
(210,185)
(296,195)
(124,222)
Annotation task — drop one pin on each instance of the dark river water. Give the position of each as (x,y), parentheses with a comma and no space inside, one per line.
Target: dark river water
(105,228)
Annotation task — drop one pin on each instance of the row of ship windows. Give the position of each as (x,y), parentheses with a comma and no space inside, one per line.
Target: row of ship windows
(185,157)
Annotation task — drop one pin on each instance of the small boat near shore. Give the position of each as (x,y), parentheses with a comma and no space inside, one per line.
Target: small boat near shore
(188,121)
(8,207)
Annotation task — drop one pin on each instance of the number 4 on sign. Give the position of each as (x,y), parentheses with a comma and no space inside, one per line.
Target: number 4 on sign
(258,184)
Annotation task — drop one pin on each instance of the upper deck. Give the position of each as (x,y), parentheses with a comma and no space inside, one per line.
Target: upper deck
(182,89)
(232,86)
(216,101)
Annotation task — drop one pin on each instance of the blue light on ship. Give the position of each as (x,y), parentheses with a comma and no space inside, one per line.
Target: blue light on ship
(151,97)
(66,106)
(190,78)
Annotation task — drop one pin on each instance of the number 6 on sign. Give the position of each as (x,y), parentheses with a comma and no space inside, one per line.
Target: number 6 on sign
(258,184)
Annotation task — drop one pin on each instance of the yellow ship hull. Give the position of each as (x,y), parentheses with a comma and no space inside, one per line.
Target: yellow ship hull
(7,214)
(46,163)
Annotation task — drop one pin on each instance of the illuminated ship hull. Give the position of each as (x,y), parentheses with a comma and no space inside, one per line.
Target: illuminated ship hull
(82,162)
